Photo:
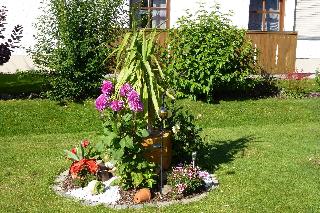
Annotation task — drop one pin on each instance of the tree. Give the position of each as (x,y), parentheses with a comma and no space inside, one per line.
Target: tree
(74,37)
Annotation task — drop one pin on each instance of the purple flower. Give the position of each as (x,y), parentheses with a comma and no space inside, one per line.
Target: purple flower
(116,105)
(204,174)
(107,87)
(102,102)
(134,101)
(125,89)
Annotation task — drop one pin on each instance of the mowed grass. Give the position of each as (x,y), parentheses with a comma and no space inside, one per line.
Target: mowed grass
(266,154)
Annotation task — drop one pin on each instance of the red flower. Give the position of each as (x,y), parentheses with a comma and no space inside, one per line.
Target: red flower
(92,166)
(89,164)
(76,168)
(74,150)
(85,143)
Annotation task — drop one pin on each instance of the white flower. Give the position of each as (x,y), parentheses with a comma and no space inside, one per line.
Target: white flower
(176,128)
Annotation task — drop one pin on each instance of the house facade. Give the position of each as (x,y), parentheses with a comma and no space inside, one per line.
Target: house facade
(255,15)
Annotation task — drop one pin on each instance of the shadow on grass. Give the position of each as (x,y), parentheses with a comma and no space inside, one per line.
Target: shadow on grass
(212,155)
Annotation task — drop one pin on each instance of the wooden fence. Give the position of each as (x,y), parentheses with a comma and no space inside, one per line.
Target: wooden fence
(277,50)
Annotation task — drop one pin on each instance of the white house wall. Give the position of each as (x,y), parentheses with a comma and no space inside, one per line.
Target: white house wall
(239,7)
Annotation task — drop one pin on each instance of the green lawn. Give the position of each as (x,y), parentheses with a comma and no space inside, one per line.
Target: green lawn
(266,154)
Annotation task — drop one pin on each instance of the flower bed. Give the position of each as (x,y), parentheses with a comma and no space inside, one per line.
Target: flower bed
(116,198)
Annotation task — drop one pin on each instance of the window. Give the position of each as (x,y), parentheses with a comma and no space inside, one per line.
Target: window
(151,13)
(266,15)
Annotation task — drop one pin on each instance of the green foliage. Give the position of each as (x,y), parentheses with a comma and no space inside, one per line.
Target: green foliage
(138,64)
(122,139)
(83,151)
(86,178)
(186,134)
(73,39)
(22,84)
(136,173)
(99,188)
(318,77)
(207,53)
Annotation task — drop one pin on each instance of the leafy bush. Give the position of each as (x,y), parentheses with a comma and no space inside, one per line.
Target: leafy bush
(186,134)
(74,38)
(28,84)
(318,77)
(207,53)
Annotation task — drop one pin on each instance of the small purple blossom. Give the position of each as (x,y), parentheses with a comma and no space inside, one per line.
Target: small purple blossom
(107,87)
(203,174)
(125,89)
(134,101)
(116,105)
(102,102)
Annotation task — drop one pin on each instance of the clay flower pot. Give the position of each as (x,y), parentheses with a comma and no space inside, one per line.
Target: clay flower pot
(142,195)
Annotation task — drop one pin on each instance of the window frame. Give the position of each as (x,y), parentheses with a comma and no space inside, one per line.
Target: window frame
(264,13)
(150,9)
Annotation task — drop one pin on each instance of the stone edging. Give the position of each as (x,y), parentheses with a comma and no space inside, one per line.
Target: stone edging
(57,188)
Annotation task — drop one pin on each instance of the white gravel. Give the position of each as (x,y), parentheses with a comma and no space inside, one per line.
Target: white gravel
(110,196)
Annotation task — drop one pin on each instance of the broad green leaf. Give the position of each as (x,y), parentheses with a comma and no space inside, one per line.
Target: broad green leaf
(71,155)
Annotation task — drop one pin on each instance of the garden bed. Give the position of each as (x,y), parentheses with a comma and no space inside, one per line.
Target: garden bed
(63,187)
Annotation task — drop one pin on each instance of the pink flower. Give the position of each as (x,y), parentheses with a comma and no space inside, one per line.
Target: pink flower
(134,101)
(125,89)
(107,87)
(116,105)
(102,102)
(85,143)
(181,187)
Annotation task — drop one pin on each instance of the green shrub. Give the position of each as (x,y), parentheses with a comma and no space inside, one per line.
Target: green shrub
(74,38)
(318,77)
(207,53)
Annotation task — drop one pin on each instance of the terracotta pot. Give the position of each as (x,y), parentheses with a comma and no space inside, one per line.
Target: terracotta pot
(142,195)
(152,145)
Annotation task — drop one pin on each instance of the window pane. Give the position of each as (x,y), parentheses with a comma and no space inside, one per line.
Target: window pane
(255,21)
(159,3)
(255,5)
(159,18)
(142,18)
(272,4)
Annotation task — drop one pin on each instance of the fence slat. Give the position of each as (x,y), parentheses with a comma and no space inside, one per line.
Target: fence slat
(277,50)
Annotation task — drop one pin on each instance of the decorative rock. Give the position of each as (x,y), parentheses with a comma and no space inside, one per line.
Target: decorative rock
(166,189)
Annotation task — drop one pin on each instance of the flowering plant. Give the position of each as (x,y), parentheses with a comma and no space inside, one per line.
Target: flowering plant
(187,179)
(84,166)
(124,129)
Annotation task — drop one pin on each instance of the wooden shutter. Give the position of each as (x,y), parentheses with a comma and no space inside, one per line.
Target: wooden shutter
(307,19)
